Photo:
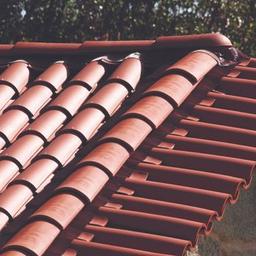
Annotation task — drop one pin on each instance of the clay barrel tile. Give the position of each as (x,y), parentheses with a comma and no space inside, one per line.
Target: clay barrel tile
(53,77)
(8,171)
(108,98)
(152,108)
(32,100)
(36,173)
(11,124)
(6,96)
(128,72)
(69,100)
(84,124)
(129,132)
(195,65)
(16,76)
(89,76)
(60,210)
(46,125)
(87,181)
(23,149)
(174,88)
(14,198)
(34,238)
(193,41)
(62,149)
(109,157)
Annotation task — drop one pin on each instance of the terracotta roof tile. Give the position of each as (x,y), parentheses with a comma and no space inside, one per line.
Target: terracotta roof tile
(122,148)
(16,77)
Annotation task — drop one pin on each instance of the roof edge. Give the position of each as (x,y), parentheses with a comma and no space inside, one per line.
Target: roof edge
(196,41)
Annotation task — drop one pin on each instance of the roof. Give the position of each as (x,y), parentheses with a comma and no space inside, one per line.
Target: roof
(122,148)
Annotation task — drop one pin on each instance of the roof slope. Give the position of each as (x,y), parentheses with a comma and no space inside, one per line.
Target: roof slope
(122,148)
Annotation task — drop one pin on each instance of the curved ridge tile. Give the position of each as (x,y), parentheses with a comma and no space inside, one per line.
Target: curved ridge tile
(194,65)
(60,209)
(200,40)
(107,156)
(87,181)
(33,238)
(44,48)
(173,88)
(153,108)
(129,132)
(115,46)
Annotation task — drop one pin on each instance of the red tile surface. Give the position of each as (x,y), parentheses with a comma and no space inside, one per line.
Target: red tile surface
(13,80)
(136,152)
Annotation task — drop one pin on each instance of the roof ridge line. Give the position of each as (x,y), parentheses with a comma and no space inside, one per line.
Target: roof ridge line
(211,40)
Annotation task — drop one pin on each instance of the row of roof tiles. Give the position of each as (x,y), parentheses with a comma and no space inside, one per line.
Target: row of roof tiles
(156,179)
(174,186)
(106,159)
(39,133)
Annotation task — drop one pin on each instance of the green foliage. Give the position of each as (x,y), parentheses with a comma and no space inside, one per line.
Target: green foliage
(78,20)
